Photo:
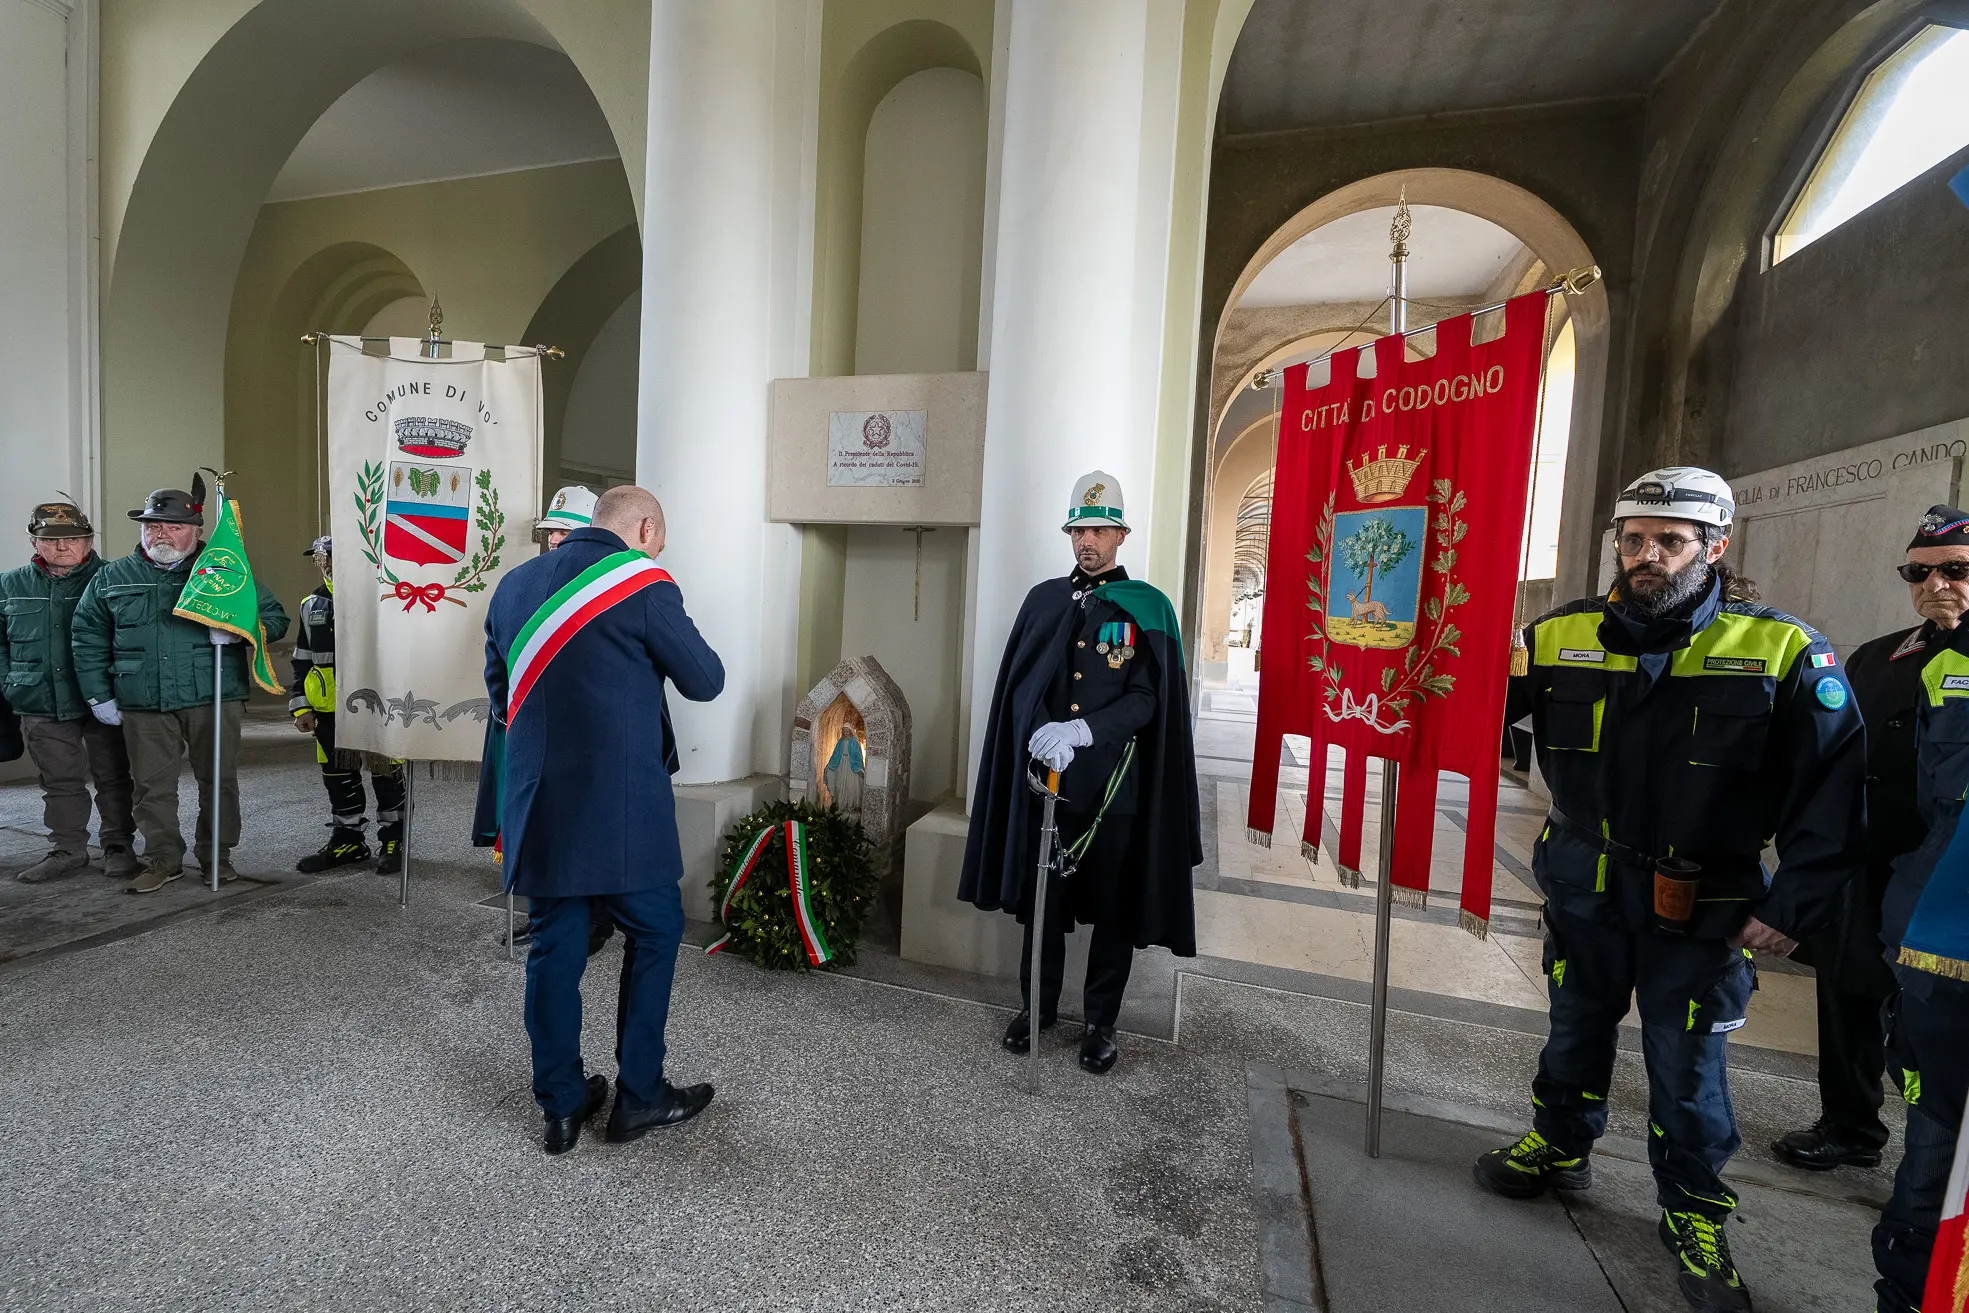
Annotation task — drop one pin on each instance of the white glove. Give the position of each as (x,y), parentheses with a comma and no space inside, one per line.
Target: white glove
(106,712)
(220,637)
(1054,742)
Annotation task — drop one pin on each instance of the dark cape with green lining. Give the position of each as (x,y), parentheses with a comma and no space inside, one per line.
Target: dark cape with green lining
(1165,833)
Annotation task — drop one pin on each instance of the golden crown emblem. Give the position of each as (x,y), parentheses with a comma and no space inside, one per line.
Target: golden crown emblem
(1093,497)
(1385,477)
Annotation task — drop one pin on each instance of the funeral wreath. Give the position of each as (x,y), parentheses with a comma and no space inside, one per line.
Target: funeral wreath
(793,885)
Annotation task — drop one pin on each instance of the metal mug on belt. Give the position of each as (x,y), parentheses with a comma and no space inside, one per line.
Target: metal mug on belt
(1676,884)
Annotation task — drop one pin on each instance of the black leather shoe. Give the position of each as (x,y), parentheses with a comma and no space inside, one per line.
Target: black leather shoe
(1018,1034)
(1821,1149)
(562,1132)
(677,1103)
(1097,1049)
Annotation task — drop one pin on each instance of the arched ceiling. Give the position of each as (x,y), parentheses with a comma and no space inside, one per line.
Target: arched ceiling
(1451,254)
(1299,64)
(462,109)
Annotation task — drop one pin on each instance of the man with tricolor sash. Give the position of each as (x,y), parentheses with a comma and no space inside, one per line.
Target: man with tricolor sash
(1925,927)
(579,644)
(1091,686)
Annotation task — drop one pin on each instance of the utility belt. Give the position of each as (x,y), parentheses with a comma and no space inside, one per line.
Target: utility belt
(1685,900)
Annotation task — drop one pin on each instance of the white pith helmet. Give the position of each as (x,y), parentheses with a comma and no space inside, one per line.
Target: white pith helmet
(1678,492)
(1096,503)
(572,508)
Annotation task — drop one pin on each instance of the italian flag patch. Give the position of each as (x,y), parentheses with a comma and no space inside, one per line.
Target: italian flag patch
(1820,660)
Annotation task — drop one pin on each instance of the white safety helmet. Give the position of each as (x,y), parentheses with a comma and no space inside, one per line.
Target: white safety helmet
(572,508)
(1678,492)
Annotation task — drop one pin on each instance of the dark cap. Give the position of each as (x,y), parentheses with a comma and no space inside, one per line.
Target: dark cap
(1942,526)
(171,506)
(59,519)
(322,546)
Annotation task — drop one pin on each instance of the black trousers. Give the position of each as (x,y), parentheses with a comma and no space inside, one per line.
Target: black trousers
(1109,957)
(1852,1059)
(346,804)
(1931,1047)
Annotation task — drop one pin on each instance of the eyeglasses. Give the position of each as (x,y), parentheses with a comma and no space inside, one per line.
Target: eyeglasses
(1671,544)
(1953,571)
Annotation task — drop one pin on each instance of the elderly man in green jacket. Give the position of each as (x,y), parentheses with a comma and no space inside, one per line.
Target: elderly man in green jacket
(145,669)
(69,746)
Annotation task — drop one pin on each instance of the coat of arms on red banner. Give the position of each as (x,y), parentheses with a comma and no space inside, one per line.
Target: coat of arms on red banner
(1397,515)
(422,513)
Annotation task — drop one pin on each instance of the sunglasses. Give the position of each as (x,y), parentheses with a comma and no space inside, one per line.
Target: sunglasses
(1953,571)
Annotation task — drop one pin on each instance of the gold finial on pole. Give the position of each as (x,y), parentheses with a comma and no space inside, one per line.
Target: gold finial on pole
(1401,229)
(437,328)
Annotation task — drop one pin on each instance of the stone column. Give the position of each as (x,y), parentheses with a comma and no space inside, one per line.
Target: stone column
(1077,288)
(707,347)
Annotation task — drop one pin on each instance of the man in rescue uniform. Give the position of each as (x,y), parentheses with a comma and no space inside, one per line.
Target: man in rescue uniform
(1854,982)
(1925,922)
(1679,731)
(312,704)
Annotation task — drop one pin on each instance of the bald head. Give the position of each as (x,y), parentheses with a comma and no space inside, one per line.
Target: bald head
(634,515)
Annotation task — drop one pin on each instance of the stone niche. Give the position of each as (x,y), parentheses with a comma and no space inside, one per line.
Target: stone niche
(851,750)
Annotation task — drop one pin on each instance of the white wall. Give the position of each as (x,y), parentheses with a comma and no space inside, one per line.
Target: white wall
(407,316)
(46,372)
(922,227)
(922,653)
(598,432)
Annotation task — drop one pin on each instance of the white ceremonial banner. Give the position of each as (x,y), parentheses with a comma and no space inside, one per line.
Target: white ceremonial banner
(433,476)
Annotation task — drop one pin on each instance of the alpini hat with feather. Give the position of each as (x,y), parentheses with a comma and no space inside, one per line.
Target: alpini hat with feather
(1096,503)
(59,519)
(175,506)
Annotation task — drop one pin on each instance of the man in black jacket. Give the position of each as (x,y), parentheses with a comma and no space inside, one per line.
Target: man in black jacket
(312,704)
(1854,981)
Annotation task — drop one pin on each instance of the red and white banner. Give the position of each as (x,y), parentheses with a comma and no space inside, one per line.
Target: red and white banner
(1397,521)
(1948,1263)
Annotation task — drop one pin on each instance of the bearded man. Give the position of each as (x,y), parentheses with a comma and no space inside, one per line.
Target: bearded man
(1679,730)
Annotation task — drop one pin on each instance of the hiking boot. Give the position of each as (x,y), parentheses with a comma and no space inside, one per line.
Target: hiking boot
(157,872)
(1707,1277)
(57,865)
(345,847)
(1530,1167)
(226,874)
(389,850)
(121,863)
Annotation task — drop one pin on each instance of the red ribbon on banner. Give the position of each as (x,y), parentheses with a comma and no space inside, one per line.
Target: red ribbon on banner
(411,594)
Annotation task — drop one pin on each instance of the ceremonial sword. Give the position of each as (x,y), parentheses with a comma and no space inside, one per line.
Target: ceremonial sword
(1048,839)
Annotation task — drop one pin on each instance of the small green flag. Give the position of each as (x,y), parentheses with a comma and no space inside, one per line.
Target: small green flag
(221,593)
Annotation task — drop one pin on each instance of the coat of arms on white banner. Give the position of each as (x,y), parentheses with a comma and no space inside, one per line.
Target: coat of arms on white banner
(424,458)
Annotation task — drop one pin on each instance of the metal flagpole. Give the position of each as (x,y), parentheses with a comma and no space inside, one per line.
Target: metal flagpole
(1384,891)
(217,793)
(431,344)
(1048,838)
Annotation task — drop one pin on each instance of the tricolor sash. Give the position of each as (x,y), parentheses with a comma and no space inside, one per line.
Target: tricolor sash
(613,579)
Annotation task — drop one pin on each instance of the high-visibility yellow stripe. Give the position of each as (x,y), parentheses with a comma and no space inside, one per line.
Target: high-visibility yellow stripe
(1947,667)
(1748,639)
(1580,632)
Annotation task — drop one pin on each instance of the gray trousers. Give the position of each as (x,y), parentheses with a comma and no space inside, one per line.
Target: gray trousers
(70,754)
(159,742)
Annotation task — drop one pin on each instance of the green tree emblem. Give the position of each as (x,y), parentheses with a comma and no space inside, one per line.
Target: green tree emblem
(1376,545)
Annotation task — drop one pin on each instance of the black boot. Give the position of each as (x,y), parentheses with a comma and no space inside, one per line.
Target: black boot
(389,849)
(1530,1167)
(344,848)
(1706,1275)
(1822,1148)
(1098,1049)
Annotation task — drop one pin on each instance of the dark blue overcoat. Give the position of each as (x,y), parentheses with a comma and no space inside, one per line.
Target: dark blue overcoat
(585,802)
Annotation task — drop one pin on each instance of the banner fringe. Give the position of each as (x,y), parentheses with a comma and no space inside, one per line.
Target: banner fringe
(1350,878)
(1408,897)
(1476,925)
(1309,851)
(1934,963)
(1259,837)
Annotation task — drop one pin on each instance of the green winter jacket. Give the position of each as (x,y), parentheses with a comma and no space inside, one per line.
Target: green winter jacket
(37,674)
(129,646)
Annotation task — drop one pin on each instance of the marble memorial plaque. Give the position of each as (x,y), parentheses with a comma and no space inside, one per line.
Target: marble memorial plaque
(1821,537)
(875,449)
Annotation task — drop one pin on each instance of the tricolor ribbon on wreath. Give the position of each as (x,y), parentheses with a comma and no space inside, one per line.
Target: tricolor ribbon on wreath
(799,885)
(1391,582)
